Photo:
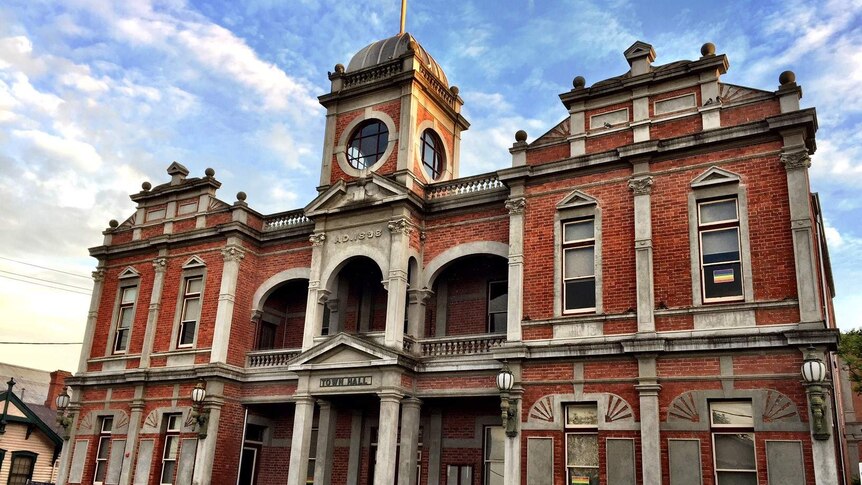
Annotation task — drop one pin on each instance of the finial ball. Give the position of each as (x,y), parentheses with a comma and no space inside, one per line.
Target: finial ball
(786,77)
(578,82)
(113,223)
(146,186)
(241,196)
(209,172)
(707,49)
(339,68)
(454,90)
(520,136)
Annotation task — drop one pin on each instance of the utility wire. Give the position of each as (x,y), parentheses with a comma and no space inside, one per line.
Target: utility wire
(45,267)
(41,343)
(46,286)
(44,280)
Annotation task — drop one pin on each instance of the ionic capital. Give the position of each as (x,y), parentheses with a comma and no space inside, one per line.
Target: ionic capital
(233,253)
(796,160)
(516,205)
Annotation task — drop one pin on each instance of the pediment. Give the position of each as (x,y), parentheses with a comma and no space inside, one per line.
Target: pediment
(714,176)
(370,190)
(345,350)
(558,133)
(194,262)
(576,199)
(640,49)
(129,273)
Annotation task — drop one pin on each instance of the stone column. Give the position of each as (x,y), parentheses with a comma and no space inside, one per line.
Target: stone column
(641,187)
(409,440)
(822,450)
(160,267)
(416,311)
(648,390)
(206,447)
(325,444)
(137,410)
(303,418)
(69,443)
(515,206)
(334,324)
(233,254)
(396,283)
(512,450)
(92,315)
(795,158)
(313,309)
(387,439)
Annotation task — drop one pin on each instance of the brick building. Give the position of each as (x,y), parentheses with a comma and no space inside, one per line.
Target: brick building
(652,272)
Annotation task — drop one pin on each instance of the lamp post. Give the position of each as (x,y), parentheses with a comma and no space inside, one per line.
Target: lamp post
(508,406)
(63,419)
(814,373)
(201,416)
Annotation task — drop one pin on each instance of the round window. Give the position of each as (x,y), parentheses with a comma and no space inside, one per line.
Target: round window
(367,144)
(433,156)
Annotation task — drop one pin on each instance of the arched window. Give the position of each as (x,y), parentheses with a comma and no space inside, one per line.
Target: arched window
(367,144)
(433,156)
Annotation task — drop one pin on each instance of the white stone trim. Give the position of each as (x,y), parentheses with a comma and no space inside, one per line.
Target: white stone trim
(333,266)
(341,149)
(273,282)
(436,265)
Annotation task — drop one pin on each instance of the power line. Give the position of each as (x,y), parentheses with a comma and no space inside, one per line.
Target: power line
(44,280)
(41,343)
(45,267)
(46,286)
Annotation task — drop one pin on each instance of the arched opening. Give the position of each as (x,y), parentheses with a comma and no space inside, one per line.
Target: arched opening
(470,297)
(282,317)
(358,300)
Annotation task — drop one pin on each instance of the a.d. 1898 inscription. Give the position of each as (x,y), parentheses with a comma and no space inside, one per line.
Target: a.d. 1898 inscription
(345,381)
(358,236)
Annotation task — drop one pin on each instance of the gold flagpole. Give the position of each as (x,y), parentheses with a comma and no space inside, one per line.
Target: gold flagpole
(403,15)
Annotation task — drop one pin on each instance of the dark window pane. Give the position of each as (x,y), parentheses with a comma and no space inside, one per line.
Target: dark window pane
(737,478)
(367,144)
(498,323)
(122,340)
(498,296)
(722,280)
(267,336)
(188,335)
(581,294)
(734,451)
(368,147)
(168,471)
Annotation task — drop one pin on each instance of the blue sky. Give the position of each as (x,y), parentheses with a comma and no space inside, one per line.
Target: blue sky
(98,96)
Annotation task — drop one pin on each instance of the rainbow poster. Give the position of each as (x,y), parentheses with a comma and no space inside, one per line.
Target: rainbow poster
(723,276)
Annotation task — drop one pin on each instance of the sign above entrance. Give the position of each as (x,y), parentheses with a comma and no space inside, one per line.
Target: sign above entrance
(358,236)
(345,381)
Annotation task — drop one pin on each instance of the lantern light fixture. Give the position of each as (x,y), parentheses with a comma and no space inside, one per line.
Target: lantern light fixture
(198,413)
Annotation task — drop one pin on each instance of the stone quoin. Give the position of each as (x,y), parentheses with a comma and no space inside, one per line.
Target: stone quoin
(652,271)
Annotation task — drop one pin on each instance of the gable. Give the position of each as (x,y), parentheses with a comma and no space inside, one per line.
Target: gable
(558,133)
(343,354)
(371,190)
(14,410)
(129,273)
(194,262)
(576,199)
(714,176)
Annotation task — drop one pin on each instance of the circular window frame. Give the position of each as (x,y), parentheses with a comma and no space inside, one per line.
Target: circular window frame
(347,134)
(446,173)
(439,150)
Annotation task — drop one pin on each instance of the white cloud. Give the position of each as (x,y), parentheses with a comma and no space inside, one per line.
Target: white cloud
(81,154)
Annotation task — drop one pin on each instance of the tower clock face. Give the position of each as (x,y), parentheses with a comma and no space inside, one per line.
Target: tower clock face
(367,144)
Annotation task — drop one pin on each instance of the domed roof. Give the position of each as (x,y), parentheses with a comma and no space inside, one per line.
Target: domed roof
(392,48)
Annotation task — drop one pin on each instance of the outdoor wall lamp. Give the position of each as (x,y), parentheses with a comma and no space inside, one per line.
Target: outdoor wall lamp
(63,419)
(508,406)
(814,373)
(201,416)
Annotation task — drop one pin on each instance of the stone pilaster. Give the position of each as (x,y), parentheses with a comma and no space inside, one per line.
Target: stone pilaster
(303,417)
(207,447)
(795,158)
(314,311)
(418,299)
(233,254)
(68,445)
(516,207)
(92,315)
(325,444)
(160,267)
(641,187)
(648,389)
(387,439)
(396,283)
(512,449)
(135,418)
(409,440)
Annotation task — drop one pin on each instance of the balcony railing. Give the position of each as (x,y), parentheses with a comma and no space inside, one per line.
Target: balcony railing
(270,358)
(467,185)
(285,220)
(453,346)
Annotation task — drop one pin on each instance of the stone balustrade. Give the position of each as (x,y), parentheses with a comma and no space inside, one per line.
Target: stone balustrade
(466,185)
(453,346)
(270,358)
(285,220)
